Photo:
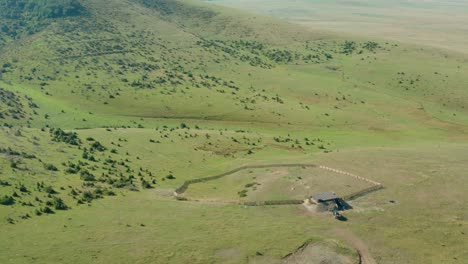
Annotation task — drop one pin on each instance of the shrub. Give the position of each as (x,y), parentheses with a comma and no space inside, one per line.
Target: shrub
(88,196)
(248,185)
(108,192)
(13,164)
(146,184)
(47,210)
(59,204)
(59,135)
(97,146)
(23,188)
(50,167)
(87,176)
(242,193)
(4,183)
(7,200)
(50,190)
(349,47)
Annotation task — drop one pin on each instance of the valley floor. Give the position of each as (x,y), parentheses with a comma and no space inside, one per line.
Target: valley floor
(151,226)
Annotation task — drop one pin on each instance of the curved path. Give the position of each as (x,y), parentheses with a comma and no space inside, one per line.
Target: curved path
(358,244)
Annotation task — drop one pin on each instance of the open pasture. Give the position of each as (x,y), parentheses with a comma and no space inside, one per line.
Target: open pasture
(275,183)
(441,24)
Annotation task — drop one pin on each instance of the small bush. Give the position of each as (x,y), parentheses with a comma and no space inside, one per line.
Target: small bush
(250,184)
(87,176)
(108,192)
(58,135)
(242,193)
(50,190)
(146,184)
(13,164)
(98,146)
(7,200)
(47,210)
(50,167)
(4,183)
(23,188)
(88,196)
(59,204)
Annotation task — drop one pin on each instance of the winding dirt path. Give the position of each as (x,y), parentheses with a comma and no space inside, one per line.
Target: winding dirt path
(358,244)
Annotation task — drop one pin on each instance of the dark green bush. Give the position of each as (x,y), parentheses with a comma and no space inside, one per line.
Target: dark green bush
(87,176)
(59,204)
(146,184)
(97,146)
(50,190)
(47,210)
(59,135)
(242,193)
(23,188)
(7,200)
(50,167)
(170,177)
(88,196)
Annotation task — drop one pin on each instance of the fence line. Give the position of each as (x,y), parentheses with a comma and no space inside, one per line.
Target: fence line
(186,184)
(272,202)
(362,192)
(246,203)
(350,174)
(376,185)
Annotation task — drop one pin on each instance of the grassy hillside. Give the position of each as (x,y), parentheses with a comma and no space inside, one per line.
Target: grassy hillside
(107,106)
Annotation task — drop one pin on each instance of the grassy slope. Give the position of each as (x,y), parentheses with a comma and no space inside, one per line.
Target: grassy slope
(387,118)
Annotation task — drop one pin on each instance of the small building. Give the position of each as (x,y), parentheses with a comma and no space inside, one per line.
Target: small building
(324,197)
(329,201)
(325,202)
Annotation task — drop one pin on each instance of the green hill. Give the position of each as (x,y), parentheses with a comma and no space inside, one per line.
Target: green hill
(128,99)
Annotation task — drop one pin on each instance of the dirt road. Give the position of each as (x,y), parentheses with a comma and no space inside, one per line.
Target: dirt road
(358,244)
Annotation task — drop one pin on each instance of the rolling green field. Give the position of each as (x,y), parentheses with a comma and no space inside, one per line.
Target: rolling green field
(107,107)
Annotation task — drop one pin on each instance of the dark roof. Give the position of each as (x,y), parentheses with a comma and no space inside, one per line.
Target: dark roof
(326,196)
